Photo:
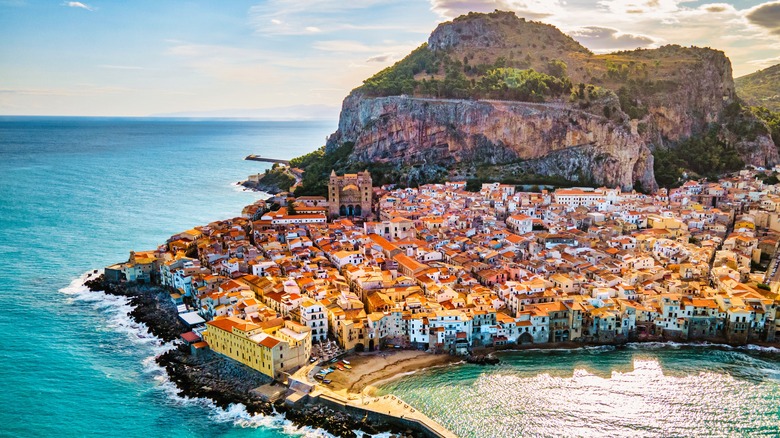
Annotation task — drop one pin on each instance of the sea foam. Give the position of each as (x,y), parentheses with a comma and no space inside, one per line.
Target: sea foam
(116,310)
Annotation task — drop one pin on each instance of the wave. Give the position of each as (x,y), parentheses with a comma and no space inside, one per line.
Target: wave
(240,188)
(584,348)
(679,345)
(117,311)
(647,346)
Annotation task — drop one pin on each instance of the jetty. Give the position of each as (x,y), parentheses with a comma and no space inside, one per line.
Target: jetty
(254,157)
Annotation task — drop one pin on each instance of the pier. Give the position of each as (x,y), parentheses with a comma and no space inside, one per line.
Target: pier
(254,157)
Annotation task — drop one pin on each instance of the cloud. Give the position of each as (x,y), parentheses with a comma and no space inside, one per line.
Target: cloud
(764,63)
(642,7)
(121,67)
(385,53)
(78,5)
(384,57)
(716,8)
(292,17)
(77,90)
(533,9)
(766,15)
(342,46)
(607,39)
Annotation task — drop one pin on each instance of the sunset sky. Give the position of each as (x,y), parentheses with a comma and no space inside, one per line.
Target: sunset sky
(151,57)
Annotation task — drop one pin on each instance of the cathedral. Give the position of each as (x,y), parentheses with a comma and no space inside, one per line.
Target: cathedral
(350,195)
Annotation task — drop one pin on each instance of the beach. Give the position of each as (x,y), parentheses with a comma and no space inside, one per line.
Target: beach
(370,369)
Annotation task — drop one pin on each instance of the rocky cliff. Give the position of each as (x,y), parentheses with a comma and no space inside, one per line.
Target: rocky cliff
(549,139)
(601,129)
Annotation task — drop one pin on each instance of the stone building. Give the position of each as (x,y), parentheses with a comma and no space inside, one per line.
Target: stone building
(350,195)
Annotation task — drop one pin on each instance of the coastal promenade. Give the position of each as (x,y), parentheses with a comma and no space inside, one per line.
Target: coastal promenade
(387,409)
(352,391)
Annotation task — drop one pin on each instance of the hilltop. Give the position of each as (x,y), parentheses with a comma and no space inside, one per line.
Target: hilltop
(761,88)
(494,96)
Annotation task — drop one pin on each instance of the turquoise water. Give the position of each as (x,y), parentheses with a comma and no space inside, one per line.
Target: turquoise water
(643,390)
(77,194)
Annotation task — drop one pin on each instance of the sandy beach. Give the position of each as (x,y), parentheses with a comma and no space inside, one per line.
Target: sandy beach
(373,368)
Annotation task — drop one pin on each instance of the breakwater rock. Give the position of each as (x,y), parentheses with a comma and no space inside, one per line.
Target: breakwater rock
(221,380)
(152,306)
(482,360)
(214,377)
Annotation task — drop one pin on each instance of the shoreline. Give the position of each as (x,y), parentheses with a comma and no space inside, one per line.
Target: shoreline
(374,387)
(227,384)
(247,186)
(218,379)
(371,369)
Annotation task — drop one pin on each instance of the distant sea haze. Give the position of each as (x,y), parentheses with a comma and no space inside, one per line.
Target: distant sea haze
(285,113)
(77,194)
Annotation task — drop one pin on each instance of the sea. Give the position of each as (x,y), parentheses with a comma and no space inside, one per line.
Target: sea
(77,194)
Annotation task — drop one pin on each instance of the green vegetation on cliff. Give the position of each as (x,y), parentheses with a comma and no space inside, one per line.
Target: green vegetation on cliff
(701,156)
(461,80)
(399,78)
(500,56)
(277,176)
(761,88)
(772,119)
(317,166)
(742,122)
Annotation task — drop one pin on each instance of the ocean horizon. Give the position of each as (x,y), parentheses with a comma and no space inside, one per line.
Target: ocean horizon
(80,193)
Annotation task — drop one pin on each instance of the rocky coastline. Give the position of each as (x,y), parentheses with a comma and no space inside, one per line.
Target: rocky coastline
(261,187)
(276,180)
(219,379)
(226,382)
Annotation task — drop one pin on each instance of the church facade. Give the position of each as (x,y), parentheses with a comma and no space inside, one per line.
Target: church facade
(350,194)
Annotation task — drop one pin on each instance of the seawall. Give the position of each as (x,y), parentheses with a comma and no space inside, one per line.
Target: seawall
(387,409)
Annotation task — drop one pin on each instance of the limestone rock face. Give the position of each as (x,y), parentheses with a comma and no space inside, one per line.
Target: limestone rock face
(699,100)
(577,144)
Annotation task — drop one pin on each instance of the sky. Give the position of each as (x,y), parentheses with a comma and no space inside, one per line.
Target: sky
(139,58)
